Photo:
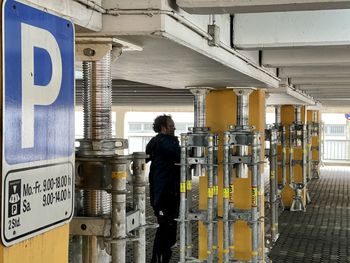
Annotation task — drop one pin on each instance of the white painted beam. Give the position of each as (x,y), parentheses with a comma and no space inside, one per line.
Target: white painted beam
(78,13)
(253,6)
(323,87)
(328,80)
(317,56)
(286,95)
(292,29)
(290,72)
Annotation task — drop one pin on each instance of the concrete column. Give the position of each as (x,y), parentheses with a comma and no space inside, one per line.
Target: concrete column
(220,113)
(51,246)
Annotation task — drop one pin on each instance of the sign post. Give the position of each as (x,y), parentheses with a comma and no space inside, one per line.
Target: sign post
(38,122)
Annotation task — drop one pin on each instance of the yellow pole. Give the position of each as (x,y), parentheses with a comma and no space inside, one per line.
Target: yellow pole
(221,112)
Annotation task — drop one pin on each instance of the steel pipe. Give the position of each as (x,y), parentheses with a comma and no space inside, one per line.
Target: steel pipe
(278,115)
(255,199)
(199,106)
(182,211)
(139,204)
(226,197)
(273,185)
(210,207)
(242,123)
(118,220)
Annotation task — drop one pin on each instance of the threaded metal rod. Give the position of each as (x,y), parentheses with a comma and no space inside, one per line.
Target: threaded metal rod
(242,122)
(243,106)
(278,114)
(297,113)
(97,98)
(199,106)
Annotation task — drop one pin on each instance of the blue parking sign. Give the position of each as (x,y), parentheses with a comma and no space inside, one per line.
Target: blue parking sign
(38,84)
(37,184)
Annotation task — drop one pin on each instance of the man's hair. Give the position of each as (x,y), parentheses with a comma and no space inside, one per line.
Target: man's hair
(160,121)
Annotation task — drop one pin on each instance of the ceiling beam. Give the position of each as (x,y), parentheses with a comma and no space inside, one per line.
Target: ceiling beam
(292,29)
(255,6)
(327,80)
(78,13)
(317,56)
(320,71)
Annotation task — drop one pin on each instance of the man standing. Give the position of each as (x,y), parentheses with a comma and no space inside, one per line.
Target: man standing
(164,179)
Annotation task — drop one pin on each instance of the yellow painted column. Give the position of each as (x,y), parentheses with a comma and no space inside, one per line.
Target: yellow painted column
(221,112)
(315,140)
(51,246)
(287,118)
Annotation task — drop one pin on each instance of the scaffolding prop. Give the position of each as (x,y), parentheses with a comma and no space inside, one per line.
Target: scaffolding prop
(102,226)
(271,155)
(298,138)
(238,160)
(281,157)
(315,129)
(198,158)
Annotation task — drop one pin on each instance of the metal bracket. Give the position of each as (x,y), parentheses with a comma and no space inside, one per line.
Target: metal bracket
(241,159)
(132,220)
(95,48)
(197,139)
(197,160)
(90,226)
(299,162)
(241,214)
(198,216)
(214,32)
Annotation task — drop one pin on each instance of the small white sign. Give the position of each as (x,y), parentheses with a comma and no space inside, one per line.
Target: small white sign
(47,197)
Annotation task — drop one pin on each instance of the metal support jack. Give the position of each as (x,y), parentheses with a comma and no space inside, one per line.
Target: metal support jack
(281,157)
(198,158)
(298,139)
(102,221)
(315,132)
(271,154)
(238,160)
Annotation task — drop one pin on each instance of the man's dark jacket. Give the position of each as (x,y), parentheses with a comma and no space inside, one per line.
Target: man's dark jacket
(164,177)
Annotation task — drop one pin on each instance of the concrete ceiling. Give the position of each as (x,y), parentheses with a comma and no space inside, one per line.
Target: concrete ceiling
(255,6)
(256,47)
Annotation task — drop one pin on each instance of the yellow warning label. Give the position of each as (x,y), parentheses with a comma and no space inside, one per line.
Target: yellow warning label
(215,189)
(284,150)
(226,194)
(182,187)
(119,175)
(232,190)
(254,197)
(189,185)
(210,192)
(291,150)
(254,253)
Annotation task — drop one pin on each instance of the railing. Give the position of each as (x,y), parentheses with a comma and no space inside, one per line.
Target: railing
(338,150)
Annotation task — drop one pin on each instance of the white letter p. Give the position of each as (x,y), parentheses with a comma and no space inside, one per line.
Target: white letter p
(34,94)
